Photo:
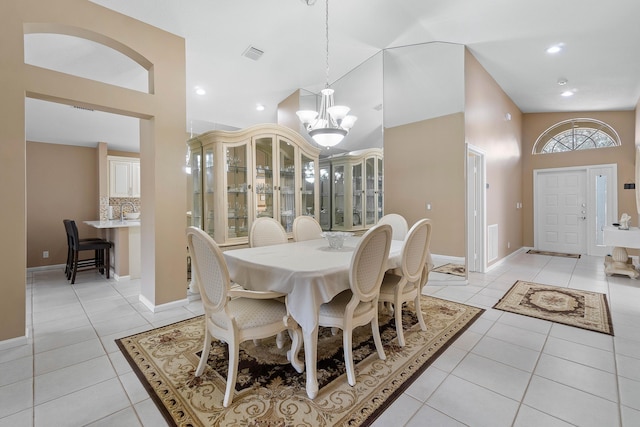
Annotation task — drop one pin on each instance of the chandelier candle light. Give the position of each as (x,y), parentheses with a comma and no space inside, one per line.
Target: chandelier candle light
(332,124)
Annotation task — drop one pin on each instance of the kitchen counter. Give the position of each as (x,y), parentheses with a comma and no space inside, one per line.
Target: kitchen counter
(114,223)
(125,255)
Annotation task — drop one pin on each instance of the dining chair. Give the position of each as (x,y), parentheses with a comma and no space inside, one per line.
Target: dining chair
(306,228)
(358,305)
(238,319)
(398,224)
(414,274)
(266,231)
(101,249)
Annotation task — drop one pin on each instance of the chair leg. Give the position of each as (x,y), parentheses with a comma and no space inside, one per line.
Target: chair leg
(107,261)
(74,267)
(416,303)
(205,353)
(397,306)
(375,331)
(296,344)
(280,340)
(347,343)
(234,350)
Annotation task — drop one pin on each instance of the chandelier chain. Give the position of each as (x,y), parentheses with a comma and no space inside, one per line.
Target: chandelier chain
(327,37)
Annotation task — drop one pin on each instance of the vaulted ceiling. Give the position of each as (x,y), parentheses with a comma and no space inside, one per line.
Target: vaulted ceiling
(600,59)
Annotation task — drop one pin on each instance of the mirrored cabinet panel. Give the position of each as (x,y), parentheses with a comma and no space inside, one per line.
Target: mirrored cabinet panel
(266,170)
(356,185)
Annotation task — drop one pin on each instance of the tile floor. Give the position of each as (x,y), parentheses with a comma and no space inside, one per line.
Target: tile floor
(505,370)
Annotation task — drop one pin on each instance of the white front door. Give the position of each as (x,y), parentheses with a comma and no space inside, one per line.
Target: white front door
(561,211)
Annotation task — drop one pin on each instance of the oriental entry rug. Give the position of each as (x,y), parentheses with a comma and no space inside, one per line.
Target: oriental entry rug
(455,269)
(269,392)
(582,309)
(560,254)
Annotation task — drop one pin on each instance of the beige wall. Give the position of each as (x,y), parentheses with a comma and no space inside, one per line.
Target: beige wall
(535,124)
(424,163)
(62,183)
(162,148)
(487,127)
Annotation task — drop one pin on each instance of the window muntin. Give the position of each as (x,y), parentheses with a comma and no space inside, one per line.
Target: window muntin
(576,134)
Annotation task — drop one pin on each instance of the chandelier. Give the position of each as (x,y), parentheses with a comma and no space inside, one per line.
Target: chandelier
(329,126)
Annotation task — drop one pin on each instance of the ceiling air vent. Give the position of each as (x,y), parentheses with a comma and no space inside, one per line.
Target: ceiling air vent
(252,53)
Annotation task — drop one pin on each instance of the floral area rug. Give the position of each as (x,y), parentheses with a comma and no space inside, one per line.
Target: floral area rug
(533,251)
(582,309)
(455,269)
(269,392)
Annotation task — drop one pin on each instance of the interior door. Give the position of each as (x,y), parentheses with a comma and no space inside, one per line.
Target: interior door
(561,211)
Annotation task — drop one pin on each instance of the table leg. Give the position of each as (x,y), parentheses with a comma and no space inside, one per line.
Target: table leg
(310,360)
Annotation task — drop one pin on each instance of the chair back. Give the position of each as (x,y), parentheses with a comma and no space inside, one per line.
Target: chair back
(67,229)
(266,231)
(306,228)
(210,267)
(415,250)
(369,262)
(72,233)
(397,223)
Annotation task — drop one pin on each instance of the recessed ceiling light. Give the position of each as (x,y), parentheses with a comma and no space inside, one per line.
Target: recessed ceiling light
(259,107)
(567,93)
(200,91)
(555,48)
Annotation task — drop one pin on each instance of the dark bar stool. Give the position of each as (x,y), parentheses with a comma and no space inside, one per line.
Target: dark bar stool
(67,268)
(101,248)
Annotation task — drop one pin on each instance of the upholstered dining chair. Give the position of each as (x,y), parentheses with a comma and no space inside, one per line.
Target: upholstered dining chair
(358,305)
(306,228)
(414,274)
(398,224)
(266,231)
(238,319)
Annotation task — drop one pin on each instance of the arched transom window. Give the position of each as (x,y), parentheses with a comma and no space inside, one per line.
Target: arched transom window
(576,134)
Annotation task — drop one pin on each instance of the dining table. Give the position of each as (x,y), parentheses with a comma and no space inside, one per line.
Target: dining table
(310,273)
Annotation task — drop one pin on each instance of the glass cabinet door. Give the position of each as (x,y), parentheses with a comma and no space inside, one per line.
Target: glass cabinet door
(356,176)
(287,185)
(208,191)
(237,195)
(308,180)
(370,192)
(263,183)
(338,196)
(325,196)
(380,191)
(196,179)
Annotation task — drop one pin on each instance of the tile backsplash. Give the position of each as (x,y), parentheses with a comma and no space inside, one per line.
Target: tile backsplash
(116,203)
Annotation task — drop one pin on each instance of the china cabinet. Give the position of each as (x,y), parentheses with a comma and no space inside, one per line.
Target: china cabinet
(357,195)
(124,176)
(265,170)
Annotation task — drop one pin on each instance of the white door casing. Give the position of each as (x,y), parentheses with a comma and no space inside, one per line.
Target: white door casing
(475,188)
(566,208)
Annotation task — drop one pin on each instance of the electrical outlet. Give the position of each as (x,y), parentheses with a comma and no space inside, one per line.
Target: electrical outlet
(508,245)
(45,254)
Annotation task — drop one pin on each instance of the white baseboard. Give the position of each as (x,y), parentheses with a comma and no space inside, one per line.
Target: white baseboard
(15,342)
(162,307)
(46,267)
(502,260)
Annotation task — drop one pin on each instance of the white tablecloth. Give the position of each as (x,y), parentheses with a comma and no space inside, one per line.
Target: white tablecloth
(309,272)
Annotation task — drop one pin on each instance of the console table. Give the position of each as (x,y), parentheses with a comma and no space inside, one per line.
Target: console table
(619,261)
